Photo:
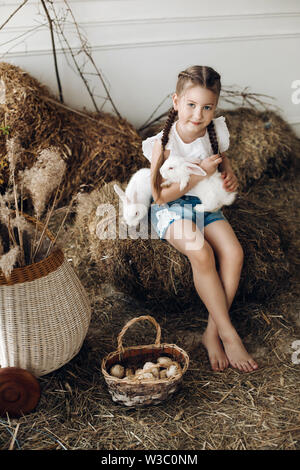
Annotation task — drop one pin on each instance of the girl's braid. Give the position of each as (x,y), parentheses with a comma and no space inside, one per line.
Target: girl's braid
(186,75)
(213,137)
(164,140)
(167,127)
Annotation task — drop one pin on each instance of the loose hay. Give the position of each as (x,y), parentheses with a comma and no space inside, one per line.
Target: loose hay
(214,411)
(97,150)
(153,270)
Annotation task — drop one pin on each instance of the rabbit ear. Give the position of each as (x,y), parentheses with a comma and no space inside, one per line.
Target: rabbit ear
(119,192)
(135,196)
(196,169)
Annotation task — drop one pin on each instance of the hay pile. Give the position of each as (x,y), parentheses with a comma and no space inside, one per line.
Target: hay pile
(152,270)
(262,143)
(97,148)
(100,147)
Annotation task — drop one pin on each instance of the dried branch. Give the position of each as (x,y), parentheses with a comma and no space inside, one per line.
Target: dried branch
(99,121)
(13,14)
(50,22)
(88,54)
(229,96)
(250,99)
(143,126)
(70,205)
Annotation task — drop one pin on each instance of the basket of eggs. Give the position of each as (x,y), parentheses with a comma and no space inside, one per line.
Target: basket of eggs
(144,375)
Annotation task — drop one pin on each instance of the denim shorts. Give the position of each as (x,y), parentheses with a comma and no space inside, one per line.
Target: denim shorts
(162,216)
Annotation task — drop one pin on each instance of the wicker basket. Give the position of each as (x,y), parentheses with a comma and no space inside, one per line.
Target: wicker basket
(44,315)
(141,392)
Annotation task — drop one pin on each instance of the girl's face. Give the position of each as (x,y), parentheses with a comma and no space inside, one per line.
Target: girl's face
(196,107)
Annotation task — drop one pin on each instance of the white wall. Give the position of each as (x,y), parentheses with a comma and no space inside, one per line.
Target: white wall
(141,45)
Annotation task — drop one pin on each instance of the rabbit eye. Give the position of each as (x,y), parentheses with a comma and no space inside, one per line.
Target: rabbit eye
(171,168)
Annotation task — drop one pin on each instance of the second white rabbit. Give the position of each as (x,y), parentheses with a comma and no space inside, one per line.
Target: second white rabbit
(210,190)
(137,197)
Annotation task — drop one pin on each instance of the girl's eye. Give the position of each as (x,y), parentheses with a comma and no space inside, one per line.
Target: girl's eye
(206,107)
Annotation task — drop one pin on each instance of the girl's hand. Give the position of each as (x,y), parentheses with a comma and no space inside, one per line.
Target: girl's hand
(210,164)
(230,183)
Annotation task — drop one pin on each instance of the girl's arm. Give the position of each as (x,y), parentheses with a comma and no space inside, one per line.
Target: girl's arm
(171,192)
(230,180)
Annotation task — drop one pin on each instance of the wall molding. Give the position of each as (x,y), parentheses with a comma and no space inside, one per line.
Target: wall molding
(158,43)
(294,121)
(169,19)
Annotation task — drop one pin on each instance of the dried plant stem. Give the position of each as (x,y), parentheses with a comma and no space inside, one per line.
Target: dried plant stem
(13,440)
(49,214)
(34,241)
(50,22)
(52,243)
(20,233)
(11,233)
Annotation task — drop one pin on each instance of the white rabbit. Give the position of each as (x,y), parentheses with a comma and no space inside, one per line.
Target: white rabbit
(210,190)
(137,197)
(176,169)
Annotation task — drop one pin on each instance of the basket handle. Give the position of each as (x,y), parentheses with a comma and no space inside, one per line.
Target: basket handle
(131,322)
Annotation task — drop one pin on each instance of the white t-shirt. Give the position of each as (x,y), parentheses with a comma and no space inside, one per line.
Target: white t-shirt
(200,148)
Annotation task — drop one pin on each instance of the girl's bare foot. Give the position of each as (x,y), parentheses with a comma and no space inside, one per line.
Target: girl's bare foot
(236,352)
(216,353)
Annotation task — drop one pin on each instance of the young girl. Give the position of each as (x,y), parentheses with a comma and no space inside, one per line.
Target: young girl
(191,131)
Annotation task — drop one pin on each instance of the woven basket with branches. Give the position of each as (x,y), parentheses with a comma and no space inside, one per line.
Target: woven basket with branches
(44,314)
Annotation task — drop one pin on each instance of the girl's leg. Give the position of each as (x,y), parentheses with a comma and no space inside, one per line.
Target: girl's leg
(230,255)
(229,252)
(187,238)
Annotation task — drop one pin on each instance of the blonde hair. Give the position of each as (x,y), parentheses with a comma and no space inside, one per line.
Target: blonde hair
(201,75)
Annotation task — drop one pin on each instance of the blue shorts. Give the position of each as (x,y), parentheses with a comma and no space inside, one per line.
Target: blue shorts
(162,216)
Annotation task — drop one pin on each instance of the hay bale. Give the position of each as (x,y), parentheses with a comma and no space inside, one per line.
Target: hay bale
(261,143)
(94,152)
(154,271)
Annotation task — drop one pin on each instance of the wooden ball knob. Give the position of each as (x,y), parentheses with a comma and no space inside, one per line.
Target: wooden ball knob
(19,391)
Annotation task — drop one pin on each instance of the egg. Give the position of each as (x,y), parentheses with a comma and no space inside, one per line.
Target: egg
(151,367)
(145,375)
(164,361)
(173,370)
(148,365)
(117,371)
